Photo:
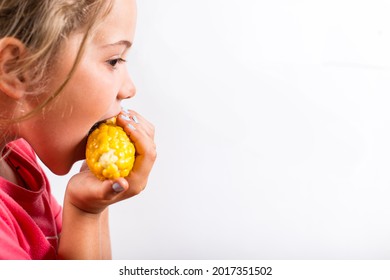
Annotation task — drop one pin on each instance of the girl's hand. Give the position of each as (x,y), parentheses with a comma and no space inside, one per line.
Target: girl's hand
(141,133)
(91,195)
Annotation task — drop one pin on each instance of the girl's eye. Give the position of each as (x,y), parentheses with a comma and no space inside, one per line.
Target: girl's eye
(114,62)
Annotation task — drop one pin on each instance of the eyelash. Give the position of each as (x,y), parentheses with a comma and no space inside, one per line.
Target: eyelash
(113,62)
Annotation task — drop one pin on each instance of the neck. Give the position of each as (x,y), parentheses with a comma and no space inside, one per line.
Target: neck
(6,170)
(8,173)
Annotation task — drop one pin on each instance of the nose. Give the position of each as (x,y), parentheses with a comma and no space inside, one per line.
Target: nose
(127,89)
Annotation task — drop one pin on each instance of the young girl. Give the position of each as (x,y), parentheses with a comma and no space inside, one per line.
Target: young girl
(61,71)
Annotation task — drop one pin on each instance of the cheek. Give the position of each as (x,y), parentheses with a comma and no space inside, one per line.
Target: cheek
(89,95)
(91,91)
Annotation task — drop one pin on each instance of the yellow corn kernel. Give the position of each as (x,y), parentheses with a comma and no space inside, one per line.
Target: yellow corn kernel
(109,151)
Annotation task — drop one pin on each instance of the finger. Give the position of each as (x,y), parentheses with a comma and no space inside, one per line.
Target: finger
(84,166)
(137,132)
(91,195)
(145,157)
(149,126)
(118,187)
(110,190)
(138,177)
(135,119)
(138,122)
(141,134)
(144,144)
(144,160)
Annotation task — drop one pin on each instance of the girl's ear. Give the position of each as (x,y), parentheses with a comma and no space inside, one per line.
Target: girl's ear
(12,82)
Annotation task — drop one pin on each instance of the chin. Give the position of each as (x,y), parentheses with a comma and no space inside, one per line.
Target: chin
(62,167)
(60,172)
(62,162)
(57,169)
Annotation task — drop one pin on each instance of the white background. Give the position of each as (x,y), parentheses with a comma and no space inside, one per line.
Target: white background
(273,131)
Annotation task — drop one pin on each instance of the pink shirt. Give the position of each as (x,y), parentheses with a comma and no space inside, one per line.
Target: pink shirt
(30,218)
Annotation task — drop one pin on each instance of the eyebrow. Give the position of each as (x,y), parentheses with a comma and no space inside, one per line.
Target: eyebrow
(125,43)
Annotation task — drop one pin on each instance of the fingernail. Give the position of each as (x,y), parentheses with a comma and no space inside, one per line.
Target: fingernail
(131,126)
(135,119)
(117,187)
(126,118)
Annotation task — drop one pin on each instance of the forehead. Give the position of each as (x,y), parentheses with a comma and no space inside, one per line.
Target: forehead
(119,24)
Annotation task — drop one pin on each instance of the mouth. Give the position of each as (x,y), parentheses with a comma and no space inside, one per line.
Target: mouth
(96,125)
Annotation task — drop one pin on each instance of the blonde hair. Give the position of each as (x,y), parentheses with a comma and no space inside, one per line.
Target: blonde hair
(42,26)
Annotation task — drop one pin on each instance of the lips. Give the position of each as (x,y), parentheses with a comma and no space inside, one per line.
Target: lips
(96,125)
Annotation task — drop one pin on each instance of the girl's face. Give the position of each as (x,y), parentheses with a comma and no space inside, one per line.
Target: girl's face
(101,81)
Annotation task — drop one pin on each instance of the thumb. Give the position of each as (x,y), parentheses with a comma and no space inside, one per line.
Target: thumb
(120,185)
(84,166)
(111,189)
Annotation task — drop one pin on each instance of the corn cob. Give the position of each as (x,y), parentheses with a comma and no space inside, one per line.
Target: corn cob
(109,151)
